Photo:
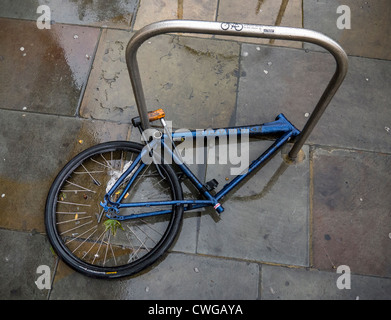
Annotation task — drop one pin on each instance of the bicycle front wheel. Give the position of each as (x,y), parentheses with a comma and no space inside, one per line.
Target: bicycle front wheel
(85,238)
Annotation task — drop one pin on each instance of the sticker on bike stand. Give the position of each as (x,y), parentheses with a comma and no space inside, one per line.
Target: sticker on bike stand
(269,30)
(231,25)
(216,206)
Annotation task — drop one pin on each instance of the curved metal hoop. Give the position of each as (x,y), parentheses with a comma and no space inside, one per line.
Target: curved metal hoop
(242,30)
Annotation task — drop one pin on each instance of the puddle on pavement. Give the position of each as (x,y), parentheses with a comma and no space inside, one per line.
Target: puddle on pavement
(86,12)
(109,13)
(34,148)
(45,69)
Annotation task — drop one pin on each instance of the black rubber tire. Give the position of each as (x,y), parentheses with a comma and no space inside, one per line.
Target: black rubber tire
(102,271)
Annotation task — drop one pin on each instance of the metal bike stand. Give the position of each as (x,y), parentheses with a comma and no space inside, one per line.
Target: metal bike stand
(241,30)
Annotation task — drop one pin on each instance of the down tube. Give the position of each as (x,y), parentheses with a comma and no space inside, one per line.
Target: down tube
(256,163)
(194,180)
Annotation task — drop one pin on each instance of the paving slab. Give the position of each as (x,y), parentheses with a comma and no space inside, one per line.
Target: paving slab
(156,10)
(44,70)
(287,13)
(34,148)
(279,283)
(176,277)
(193,79)
(266,219)
(351,213)
(369,33)
(21,254)
(291,81)
(101,13)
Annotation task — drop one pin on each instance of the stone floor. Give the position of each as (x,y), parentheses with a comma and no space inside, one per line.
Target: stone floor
(283,234)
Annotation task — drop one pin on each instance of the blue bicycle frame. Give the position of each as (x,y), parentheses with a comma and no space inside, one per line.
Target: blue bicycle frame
(280,126)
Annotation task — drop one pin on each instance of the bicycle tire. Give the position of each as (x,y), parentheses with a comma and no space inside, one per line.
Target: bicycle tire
(72,190)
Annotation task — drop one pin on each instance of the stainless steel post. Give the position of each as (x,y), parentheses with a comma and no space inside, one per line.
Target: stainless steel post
(242,30)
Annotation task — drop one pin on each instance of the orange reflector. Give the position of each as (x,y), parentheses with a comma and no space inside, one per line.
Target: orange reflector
(156,115)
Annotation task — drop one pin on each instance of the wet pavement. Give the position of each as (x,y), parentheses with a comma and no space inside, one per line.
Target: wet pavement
(286,231)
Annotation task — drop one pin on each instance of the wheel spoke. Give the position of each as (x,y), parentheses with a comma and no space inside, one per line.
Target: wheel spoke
(93,179)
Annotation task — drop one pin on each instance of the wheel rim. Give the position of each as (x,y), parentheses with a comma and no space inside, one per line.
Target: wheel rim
(83,232)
